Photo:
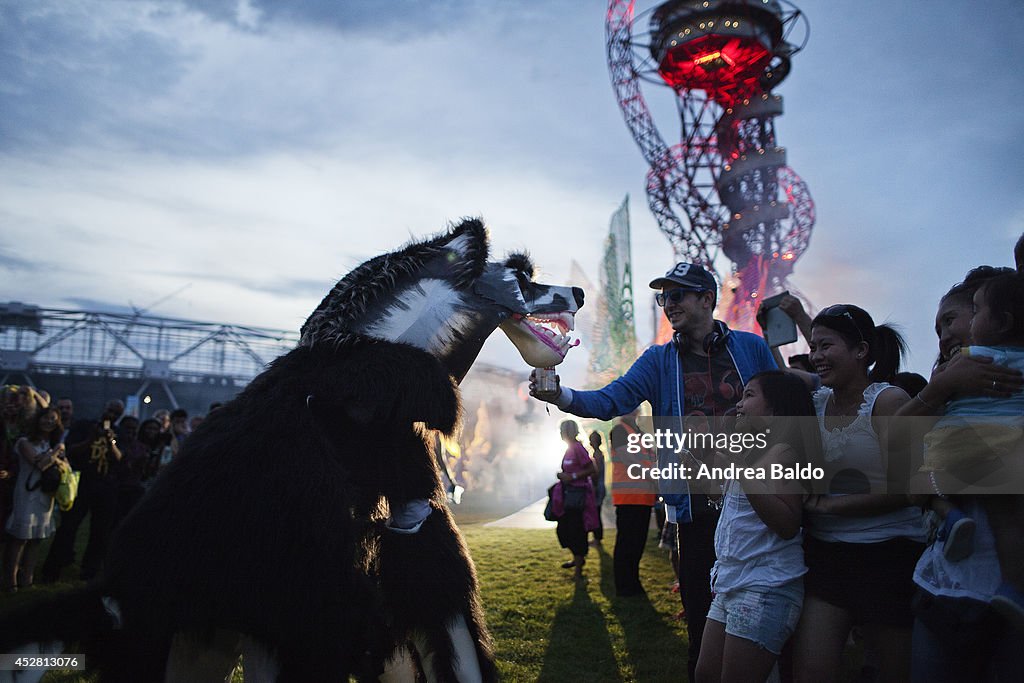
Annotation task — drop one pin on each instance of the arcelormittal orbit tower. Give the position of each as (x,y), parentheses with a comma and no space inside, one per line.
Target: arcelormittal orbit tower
(728,175)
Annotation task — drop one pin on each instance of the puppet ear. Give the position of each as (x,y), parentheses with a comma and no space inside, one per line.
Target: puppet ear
(467,251)
(385,383)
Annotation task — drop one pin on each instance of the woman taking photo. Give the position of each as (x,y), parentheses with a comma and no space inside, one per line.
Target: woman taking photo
(757,579)
(31,518)
(862,545)
(578,509)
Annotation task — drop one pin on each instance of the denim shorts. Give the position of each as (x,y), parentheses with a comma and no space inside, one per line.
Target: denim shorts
(766,615)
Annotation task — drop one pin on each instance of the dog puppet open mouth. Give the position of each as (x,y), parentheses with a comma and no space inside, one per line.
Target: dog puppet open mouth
(542,338)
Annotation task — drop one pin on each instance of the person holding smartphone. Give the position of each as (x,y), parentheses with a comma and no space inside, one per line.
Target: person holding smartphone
(96,458)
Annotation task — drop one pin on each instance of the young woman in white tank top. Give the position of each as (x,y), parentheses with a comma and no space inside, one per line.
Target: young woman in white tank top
(862,543)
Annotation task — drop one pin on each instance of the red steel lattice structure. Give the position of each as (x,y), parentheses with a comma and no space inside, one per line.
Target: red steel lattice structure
(722,58)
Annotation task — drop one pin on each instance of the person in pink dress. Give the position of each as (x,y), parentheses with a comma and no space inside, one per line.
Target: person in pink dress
(575,505)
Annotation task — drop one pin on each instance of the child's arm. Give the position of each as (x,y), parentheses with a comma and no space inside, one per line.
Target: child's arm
(965,376)
(778,508)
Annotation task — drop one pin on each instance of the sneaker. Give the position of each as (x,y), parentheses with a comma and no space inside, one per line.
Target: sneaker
(959,538)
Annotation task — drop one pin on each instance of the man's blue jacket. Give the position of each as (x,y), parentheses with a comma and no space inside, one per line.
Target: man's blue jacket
(656,377)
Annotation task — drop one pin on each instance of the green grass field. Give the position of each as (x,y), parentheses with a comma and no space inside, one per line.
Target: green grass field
(548,628)
(545,626)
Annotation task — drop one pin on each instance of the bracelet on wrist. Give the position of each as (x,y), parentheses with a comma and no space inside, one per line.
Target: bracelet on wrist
(926,404)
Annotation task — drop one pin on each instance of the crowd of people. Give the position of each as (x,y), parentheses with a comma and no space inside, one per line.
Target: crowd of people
(776,576)
(772,576)
(117,456)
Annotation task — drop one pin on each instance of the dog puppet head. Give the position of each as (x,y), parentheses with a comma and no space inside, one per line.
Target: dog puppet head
(442,295)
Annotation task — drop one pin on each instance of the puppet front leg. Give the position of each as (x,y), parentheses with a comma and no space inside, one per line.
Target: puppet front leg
(430,587)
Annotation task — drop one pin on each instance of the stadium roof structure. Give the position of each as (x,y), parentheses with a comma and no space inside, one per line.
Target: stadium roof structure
(146,348)
(134,355)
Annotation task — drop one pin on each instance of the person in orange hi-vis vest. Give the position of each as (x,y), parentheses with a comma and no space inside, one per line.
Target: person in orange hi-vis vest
(633,498)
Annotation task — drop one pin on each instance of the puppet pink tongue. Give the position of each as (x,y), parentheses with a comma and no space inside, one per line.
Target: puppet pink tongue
(547,337)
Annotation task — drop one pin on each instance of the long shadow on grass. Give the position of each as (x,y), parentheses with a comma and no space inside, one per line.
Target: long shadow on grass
(645,630)
(579,646)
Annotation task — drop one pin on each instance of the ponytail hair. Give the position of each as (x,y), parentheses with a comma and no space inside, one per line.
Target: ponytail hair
(888,350)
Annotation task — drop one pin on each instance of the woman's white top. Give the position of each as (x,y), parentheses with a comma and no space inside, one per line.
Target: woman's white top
(854,464)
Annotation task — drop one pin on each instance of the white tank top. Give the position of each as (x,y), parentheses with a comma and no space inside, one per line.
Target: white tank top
(854,465)
(749,553)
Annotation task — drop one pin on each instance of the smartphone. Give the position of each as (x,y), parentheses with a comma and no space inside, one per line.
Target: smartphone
(779,327)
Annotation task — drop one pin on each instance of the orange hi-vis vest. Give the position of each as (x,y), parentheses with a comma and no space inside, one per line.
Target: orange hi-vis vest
(627,490)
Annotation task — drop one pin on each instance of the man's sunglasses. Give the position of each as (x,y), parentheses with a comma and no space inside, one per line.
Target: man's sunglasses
(674,295)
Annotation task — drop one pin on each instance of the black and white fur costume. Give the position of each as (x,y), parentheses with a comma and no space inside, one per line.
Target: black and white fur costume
(304,525)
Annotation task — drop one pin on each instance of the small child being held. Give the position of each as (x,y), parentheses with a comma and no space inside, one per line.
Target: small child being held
(980,436)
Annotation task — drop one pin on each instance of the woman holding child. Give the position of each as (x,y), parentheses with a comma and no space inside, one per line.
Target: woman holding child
(957,634)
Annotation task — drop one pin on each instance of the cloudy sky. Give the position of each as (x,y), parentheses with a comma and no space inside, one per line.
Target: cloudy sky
(242,155)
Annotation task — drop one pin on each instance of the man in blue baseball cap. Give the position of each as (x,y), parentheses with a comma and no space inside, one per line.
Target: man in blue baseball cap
(701,372)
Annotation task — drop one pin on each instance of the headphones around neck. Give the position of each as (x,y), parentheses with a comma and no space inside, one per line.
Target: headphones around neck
(713,342)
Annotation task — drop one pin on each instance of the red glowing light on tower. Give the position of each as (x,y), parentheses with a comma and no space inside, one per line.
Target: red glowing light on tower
(722,58)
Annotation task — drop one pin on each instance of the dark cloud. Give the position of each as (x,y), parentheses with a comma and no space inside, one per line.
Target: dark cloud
(363,16)
(98,306)
(168,80)
(279,286)
(65,76)
(14,263)
(296,287)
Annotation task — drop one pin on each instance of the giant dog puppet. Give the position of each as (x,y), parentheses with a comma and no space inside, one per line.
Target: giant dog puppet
(304,525)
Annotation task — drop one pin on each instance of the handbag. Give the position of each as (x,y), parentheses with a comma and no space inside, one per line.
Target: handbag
(47,482)
(574,497)
(549,508)
(67,491)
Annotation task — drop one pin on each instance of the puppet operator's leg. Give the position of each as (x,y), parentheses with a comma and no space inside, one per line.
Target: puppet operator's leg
(430,587)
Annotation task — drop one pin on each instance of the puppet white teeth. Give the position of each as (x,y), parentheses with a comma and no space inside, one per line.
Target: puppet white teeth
(564,321)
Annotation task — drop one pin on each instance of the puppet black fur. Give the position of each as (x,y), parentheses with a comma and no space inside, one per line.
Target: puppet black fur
(269,527)
(262,525)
